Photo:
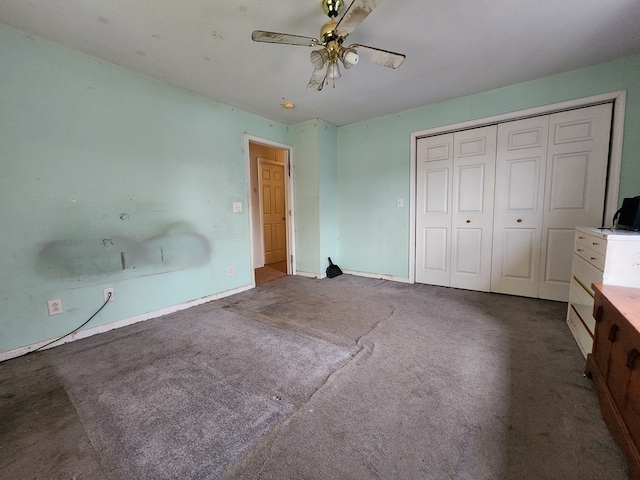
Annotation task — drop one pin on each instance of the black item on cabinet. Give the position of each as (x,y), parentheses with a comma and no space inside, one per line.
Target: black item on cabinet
(629,214)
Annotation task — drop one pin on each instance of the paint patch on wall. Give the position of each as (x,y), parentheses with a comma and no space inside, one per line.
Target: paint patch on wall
(177,247)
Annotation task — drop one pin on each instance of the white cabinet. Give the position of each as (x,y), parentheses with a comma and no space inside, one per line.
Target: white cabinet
(610,257)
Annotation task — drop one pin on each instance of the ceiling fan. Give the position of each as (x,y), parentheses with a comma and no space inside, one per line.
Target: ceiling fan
(332,36)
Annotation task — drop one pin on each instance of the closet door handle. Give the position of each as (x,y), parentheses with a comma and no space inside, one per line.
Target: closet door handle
(519,220)
(468,221)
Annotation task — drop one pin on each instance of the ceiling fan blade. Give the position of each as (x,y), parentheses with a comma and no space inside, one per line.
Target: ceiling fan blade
(284,38)
(355,14)
(317,79)
(381,57)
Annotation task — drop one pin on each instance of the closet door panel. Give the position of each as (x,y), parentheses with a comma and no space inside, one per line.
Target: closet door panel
(558,265)
(436,246)
(577,159)
(518,209)
(433,209)
(472,215)
(468,252)
(518,254)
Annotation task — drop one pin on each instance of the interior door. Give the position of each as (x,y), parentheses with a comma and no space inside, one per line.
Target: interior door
(273,209)
(577,160)
(472,209)
(518,208)
(433,209)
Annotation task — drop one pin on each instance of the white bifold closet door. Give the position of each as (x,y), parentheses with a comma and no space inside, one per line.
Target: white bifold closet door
(496,207)
(575,190)
(551,177)
(456,174)
(519,206)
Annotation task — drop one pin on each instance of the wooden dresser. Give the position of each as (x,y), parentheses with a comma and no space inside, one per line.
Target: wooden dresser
(610,257)
(614,366)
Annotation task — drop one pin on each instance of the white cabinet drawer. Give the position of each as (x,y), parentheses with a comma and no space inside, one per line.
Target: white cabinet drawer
(582,302)
(585,273)
(580,333)
(593,257)
(592,242)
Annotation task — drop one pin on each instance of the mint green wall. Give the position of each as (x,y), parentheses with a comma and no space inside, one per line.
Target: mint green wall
(374,157)
(83,142)
(97,160)
(316,196)
(328,187)
(306,196)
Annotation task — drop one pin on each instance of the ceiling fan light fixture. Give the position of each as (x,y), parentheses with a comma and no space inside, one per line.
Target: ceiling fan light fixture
(333,71)
(349,57)
(332,36)
(319,58)
(288,105)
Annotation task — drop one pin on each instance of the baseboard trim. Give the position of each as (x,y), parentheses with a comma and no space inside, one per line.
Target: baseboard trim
(311,275)
(381,276)
(18,352)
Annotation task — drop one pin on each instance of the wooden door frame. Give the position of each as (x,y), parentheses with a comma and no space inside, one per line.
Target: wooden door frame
(288,182)
(618,98)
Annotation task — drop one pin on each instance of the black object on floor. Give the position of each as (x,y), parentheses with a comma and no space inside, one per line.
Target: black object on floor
(333,270)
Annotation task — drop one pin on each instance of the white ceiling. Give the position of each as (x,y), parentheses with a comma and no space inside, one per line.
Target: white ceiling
(453,47)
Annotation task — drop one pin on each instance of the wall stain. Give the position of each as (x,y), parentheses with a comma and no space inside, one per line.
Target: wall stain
(176,247)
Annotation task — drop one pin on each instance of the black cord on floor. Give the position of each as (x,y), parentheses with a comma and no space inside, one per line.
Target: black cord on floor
(74,331)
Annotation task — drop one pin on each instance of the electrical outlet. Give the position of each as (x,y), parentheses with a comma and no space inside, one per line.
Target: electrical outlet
(229,271)
(55,307)
(237,207)
(108,291)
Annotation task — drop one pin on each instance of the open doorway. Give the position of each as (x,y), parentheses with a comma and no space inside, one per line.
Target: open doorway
(271,210)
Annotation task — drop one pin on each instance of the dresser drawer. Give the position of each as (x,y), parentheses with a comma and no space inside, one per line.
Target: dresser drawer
(585,273)
(580,332)
(582,303)
(592,241)
(593,257)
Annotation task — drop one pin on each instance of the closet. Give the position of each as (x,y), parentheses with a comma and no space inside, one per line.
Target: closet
(496,206)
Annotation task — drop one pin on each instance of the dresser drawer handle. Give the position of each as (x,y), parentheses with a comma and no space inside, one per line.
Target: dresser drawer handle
(593,258)
(586,289)
(595,243)
(598,314)
(581,238)
(632,357)
(580,250)
(613,333)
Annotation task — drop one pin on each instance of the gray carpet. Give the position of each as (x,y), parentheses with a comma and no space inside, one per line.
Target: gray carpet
(344,378)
